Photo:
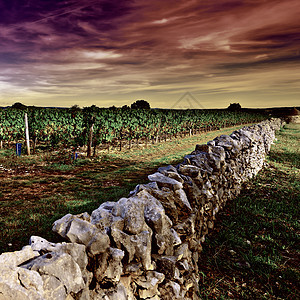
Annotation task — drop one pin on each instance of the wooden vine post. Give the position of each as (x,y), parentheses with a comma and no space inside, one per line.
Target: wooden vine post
(27,134)
(90,141)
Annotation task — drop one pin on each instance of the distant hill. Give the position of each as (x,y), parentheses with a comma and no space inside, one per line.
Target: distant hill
(273,111)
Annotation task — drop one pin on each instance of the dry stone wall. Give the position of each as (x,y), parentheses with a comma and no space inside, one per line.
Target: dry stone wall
(145,246)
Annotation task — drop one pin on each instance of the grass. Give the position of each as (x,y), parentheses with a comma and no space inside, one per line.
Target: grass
(36,190)
(253,253)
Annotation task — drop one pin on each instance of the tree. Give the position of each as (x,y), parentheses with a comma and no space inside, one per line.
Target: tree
(140,104)
(19,105)
(75,108)
(234,107)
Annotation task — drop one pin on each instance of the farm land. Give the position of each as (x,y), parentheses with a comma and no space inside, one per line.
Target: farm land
(253,252)
(38,189)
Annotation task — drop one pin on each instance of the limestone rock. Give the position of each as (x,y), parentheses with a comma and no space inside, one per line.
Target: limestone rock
(61,266)
(20,284)
(171,291)
(176,238)
(80,231)
(202,148)
(40,244)
(99,243)
(140,187)
(53,288)
(182,201)
(16,258)
(175,176)
(61,226)
(154,213)
(132,211)
(102,216)
(137,246)
(149,284)
(167,264)
(183,251)
(84,216)
(189,170)
(129,286)
(134,269)
(166,197)
(76,251)
(186,228)
(115,267)
(134,220)
(224,141)
(194,194)
(167,169)
(164,181)
(117,292)
(159,222)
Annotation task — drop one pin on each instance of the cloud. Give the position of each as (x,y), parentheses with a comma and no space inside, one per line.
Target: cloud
(95,55)
(162,21)
(97,48)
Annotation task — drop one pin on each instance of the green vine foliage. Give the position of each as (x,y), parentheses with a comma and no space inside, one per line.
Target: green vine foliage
(55,127)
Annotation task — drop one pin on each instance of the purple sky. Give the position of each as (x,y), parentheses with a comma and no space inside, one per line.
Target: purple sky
(61,53)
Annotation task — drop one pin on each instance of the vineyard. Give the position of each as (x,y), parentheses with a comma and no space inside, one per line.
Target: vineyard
(111,127)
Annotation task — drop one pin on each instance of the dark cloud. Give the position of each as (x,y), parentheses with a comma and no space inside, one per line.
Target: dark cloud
(123,47)
(265,63)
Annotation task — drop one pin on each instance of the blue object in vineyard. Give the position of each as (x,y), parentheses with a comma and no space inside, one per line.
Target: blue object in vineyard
(74,155)
(18,149)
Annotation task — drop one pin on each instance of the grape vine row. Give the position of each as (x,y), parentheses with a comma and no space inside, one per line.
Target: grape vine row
(53,127)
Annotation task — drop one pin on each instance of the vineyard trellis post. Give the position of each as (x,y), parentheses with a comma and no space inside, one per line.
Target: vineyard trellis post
(27,134)
(90,141)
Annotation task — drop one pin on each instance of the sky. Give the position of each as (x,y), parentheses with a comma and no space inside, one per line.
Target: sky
(173,54)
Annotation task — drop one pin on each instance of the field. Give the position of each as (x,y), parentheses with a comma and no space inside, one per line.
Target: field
(110,128)
(252,253)
(36,190)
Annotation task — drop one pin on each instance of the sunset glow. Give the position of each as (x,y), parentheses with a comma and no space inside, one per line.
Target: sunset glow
(61,53)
